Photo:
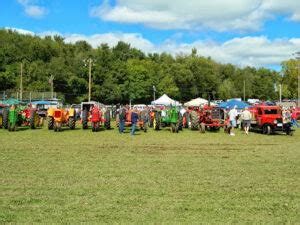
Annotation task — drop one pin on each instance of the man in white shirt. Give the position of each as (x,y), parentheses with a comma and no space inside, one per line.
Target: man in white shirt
(246,118)
(232,119)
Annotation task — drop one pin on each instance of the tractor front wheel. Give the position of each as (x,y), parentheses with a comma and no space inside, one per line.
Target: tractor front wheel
(107,120)
(57,126)
(202,128)
(84,119)
(34,119)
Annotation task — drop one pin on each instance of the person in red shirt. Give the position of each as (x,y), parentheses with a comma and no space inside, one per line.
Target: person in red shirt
(294,118)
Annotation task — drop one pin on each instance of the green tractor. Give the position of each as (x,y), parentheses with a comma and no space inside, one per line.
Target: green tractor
(20,116)
(167,118)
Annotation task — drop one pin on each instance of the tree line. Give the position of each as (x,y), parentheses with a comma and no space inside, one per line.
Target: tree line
(122,72)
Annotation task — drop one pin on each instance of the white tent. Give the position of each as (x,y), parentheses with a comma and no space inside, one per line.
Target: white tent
(165,100)
(196,102)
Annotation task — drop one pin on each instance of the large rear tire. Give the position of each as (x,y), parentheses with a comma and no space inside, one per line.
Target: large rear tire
(72,123)
(50,123)
(5,118)
(84,119)
(194,120)
(156,122)
(180,121)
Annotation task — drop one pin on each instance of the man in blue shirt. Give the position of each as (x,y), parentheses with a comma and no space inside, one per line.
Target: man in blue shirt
(134,119)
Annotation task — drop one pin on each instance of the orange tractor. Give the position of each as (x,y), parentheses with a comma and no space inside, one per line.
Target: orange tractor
(141,122)
(57,118)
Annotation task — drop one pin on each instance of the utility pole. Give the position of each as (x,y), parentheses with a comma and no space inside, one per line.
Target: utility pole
(298,67)
(51,85)
(244,90)
(21,81)
(280,93)
(90,78)
(154,90)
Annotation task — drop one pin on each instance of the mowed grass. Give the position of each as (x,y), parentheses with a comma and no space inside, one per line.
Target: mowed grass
(157,177)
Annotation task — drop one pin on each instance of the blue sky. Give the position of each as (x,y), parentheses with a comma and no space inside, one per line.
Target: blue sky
(248,32)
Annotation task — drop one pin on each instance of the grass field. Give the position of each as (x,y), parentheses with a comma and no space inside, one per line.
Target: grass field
(157,177)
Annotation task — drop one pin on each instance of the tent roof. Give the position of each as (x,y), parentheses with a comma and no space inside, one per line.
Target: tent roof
(42,102)
(196,102)
(12,101)
(165,100)
(232,103)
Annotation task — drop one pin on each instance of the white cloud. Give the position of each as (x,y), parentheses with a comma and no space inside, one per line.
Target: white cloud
(218,15)
(136,40)
(33,10)
(246,51)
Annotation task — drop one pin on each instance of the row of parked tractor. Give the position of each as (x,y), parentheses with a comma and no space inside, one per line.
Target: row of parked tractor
(267,119)
(15,116)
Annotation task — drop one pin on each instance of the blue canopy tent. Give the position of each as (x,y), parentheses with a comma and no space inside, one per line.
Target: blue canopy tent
(43,103)
(231,103)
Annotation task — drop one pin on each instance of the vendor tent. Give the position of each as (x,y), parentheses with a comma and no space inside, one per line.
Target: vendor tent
(12,101)
(196,102)
(231,103)
(42,102)
(165,100)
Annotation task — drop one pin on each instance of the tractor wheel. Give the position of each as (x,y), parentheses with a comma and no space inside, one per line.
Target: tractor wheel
(194,120)
(267,129)
(187,119)
(50,123)
(172,127)
(33,120)
(84,119)
(150,121)
(12,127)
(176,128)
(107,120)
(72,123)
(202,128)
(180,121)
(41,122)
(5,118)
(57,126)
(156,121)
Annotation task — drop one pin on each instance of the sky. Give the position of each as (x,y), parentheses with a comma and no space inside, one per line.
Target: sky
(242,32)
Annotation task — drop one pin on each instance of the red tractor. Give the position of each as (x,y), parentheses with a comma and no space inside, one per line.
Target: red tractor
(206,117)
(269,119)
(96,114)
(212,118)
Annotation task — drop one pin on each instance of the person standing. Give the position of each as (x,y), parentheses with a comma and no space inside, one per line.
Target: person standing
(134,119)
(232,119)
(122,118)
(294,117)
(246,120)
